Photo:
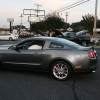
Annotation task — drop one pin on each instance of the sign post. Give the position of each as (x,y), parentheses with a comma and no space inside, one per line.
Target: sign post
(10,20)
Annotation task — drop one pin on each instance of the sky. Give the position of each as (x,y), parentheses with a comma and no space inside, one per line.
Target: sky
(14,9)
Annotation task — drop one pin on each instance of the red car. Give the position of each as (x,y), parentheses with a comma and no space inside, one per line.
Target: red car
(22,35)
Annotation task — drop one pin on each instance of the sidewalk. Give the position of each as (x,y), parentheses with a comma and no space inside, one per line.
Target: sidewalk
(96,46)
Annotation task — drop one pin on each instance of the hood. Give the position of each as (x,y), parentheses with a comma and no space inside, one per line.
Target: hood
(5,46)
(58,33)
(39,32)
(81,32)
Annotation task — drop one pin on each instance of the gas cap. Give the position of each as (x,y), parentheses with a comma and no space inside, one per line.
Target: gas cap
(77,56)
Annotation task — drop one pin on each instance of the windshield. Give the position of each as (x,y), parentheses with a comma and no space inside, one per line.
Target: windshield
(65,33)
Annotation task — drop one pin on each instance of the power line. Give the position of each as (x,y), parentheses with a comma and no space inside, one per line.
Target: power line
(72,5)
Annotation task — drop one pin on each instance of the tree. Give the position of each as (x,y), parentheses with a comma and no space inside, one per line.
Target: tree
(18,26)
(88,22)
(51,21)
(54,21)
(77,26)
(98,24)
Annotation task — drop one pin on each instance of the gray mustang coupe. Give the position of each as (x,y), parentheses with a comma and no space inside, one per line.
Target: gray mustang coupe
(59,56)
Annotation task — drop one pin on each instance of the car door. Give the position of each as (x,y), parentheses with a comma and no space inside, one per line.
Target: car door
(2,37)
(22,57)
(30,58)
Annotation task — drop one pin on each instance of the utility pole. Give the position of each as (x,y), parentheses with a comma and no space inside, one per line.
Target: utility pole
(95,19)
(66,16)
(37,8)
(21,22)
(66,19)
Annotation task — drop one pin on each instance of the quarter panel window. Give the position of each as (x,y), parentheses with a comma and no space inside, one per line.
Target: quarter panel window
(55,45)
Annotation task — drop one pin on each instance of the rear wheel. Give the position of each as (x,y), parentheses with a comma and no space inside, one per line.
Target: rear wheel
(61,70)
(10,39)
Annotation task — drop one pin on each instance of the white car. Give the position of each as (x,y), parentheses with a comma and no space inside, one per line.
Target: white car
(8,36)
(15,34)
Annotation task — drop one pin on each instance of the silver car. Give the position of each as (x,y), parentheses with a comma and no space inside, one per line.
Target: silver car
(59,56)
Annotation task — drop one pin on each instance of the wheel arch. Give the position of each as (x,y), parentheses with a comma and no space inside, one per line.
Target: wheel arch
(59,59)
(10,38)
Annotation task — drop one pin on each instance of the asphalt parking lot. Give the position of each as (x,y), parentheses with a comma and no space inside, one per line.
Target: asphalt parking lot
(28,85)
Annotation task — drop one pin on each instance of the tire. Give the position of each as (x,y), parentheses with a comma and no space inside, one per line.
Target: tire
(61,70)
(10,39)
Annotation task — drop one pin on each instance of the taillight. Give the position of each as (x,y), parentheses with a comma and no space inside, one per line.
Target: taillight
(92,54)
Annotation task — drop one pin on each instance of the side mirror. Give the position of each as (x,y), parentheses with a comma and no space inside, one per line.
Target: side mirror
(12,47)
(16,48)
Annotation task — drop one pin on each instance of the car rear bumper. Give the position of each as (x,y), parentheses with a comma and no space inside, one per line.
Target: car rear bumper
(93,68)
(15,38)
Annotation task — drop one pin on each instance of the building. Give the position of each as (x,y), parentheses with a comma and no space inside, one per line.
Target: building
(4,30)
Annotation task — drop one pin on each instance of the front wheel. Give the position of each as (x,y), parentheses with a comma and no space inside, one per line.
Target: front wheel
(61,70)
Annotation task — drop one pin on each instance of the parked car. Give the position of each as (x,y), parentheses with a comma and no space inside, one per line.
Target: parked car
(16,34)
(23,35)
(59,56)
(8,36)
(81,37)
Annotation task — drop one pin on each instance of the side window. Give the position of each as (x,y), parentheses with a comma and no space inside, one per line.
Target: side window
(2,34)
(55,45)
(25,45)
(8,34)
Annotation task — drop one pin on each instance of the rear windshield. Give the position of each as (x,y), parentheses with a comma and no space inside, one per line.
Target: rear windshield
(68,43)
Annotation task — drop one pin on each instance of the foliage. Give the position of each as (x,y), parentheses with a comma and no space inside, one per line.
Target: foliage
(98,24)
(54,21)
(50,22)
(18,26)
(77,26)
(88,22)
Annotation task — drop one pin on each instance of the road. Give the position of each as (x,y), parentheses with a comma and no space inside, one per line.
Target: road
(27,85)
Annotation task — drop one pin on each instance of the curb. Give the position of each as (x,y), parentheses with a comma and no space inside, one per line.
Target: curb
(96,46)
